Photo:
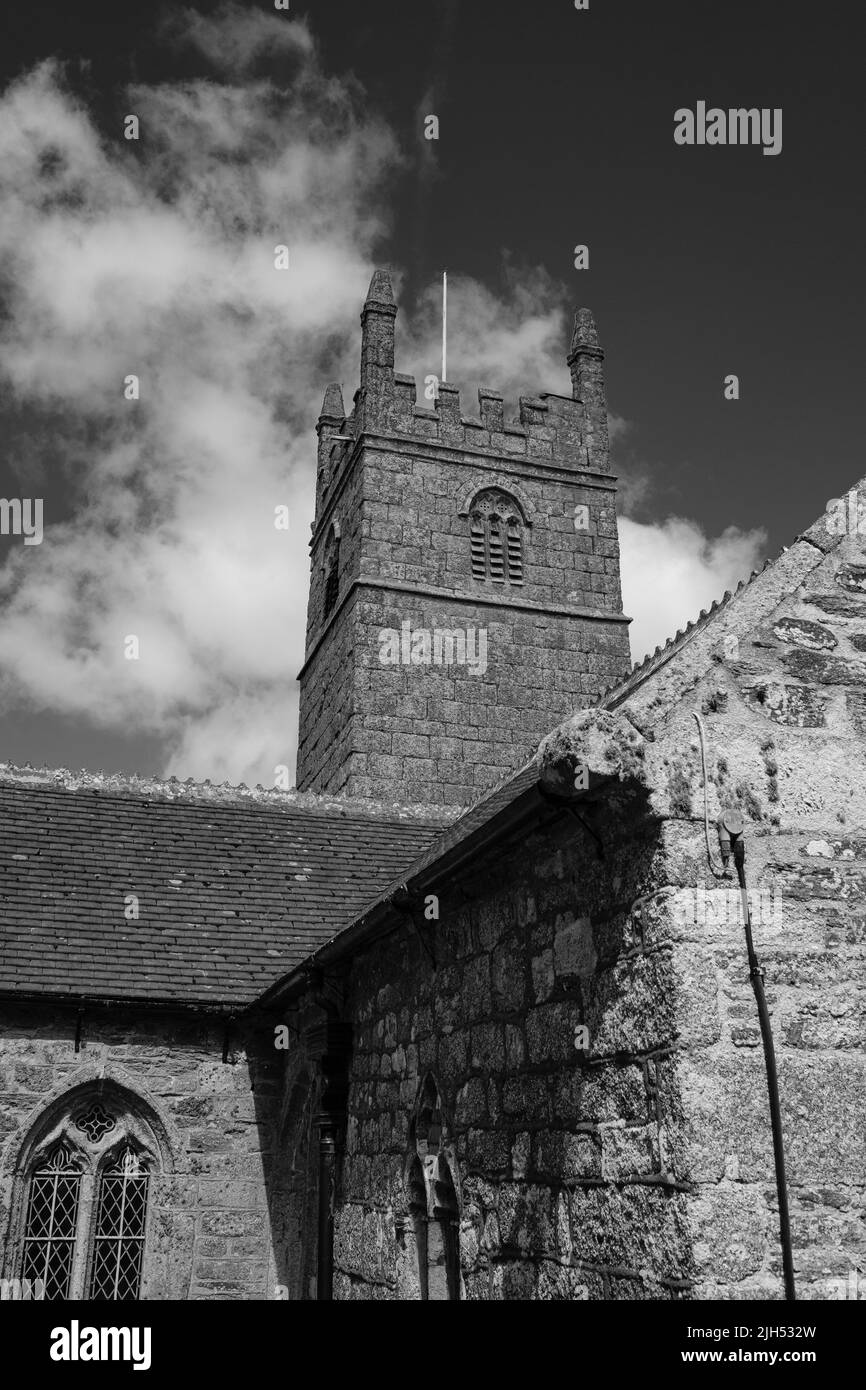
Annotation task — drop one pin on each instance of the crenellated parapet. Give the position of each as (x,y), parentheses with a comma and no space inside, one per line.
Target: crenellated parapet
(564,431)
(548,428)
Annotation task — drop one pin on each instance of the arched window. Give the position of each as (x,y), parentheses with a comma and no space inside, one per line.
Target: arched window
(121,1212)
(432,1199)
(332,570)
(496,538)
(52,1221)
(85,1210)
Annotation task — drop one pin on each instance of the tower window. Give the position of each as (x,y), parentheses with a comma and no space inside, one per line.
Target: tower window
(515,551)
(478,541)
(332,572)
(496,539)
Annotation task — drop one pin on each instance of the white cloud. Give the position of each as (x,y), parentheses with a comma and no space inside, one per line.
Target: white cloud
(514,342)
(672,570)
(239,36)
(156,259)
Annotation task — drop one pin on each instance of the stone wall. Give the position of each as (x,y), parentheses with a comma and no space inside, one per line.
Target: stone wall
(415,527)
(446,735)
(642,1166)
(781,706)
(561,1153)
(218,1223)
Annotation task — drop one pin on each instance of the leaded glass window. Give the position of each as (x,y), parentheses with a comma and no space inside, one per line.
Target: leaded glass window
(85,1206)
(52,1219)
(120,1216)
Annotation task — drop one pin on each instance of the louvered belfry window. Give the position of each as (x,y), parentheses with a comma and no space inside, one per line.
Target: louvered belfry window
(85,1213)
(478,538)
(119,1239)
(515,551)
(496,539)
(52,1221)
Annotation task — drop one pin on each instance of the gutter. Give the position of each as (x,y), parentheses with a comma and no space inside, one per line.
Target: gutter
(94,1001)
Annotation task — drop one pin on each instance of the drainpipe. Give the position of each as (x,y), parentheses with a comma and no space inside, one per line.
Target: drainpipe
(730,828)
(329,1043)
(325,1253)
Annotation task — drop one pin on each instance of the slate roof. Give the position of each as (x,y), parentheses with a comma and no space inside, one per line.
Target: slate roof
(234,890)
(481,819)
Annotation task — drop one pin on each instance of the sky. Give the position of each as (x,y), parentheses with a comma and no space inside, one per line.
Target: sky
(305,127)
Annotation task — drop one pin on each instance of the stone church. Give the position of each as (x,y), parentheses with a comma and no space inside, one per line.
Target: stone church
(468,1015)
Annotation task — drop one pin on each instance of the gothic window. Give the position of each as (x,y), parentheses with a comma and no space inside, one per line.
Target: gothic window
(85,1208)
(432,1200)
(52,1221)
(118,1242)
(496,538)
(332,571)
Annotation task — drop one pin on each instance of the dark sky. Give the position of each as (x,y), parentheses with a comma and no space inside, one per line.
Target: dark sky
(557,128)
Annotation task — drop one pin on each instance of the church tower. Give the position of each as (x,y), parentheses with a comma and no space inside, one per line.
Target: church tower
(465,591)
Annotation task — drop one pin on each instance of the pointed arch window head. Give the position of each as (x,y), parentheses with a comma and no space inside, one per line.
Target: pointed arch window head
(496,538)
(84,1212)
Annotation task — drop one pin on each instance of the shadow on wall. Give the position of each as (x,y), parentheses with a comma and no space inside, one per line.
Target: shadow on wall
(290,1169)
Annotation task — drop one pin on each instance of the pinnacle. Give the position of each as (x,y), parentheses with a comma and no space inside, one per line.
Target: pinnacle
(380,291)
(333,402)
(585,332)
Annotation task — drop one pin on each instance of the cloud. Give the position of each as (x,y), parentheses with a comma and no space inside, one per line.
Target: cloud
(238,37)
(688,570)
(158,260)
(514,341)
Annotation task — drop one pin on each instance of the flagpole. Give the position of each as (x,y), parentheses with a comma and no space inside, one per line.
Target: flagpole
(444,321)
